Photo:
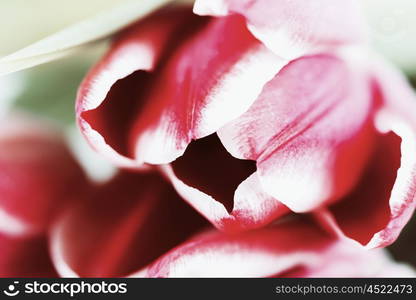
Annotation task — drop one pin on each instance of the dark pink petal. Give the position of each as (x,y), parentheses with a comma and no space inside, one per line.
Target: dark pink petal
(365,211)
(224,189)
(213,77)
(292,28)
(384,201)
(294,248)
(307,131)
(119,81)
(126,224)
(38,176)
(25,257)
(198,77)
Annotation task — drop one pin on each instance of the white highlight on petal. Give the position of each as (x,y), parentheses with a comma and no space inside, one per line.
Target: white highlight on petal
(251,202)
(231,261)
(232,96)
(158,145)
(131,58)
(301,191)
(213,8)
(238,89)
(203,203)
(10,225)
(402,200)
(57,252)
(99,144)
(97,168)
(281,42)
(139,274)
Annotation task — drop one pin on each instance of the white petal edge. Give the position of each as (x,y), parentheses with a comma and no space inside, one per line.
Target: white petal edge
(203,203)
(238,89)
(56,252)
(12,226)
(135,57)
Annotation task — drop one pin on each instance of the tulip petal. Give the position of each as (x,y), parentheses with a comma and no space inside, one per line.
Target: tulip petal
(294,248)
(73,37)
(198,98)
(365,211)
(385,200)
(136,50)
(308,149)
(153,124)
(127,223)
(25,257)
(222,188)
(38,176)
(294,28)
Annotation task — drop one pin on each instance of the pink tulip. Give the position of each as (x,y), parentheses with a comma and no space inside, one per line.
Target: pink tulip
(266,108)
(137,226)
(39,177)
(39,180)
(25,257)
(127,223)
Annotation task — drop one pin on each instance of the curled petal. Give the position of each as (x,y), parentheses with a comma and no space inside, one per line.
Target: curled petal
(222,188)
(365,210)
(294,248)
(25,257)
(212,78)
(207,80)
(308,149)
(376,213)
(127,223)
(39,177)
(294,28)
(136,50)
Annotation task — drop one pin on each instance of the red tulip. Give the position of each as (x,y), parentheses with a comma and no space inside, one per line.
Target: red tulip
(127,222)
(25,257)
(137,226)
(295,248)
(39,177)
(270,107)
(39,180)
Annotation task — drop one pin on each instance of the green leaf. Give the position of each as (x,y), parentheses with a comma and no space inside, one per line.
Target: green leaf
(73,37)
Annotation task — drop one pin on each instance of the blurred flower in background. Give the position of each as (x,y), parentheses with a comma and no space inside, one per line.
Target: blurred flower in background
(48,92)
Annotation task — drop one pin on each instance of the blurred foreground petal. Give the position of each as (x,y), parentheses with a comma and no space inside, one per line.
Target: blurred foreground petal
(295,248)
(38,176)
(25,257)
(127,223)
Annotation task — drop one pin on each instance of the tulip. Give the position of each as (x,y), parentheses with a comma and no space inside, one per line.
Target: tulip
(262,110)
(135,225)
(273,120)
(127,222)
(54,223)
(39,180)
(39,177)
(25,257)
